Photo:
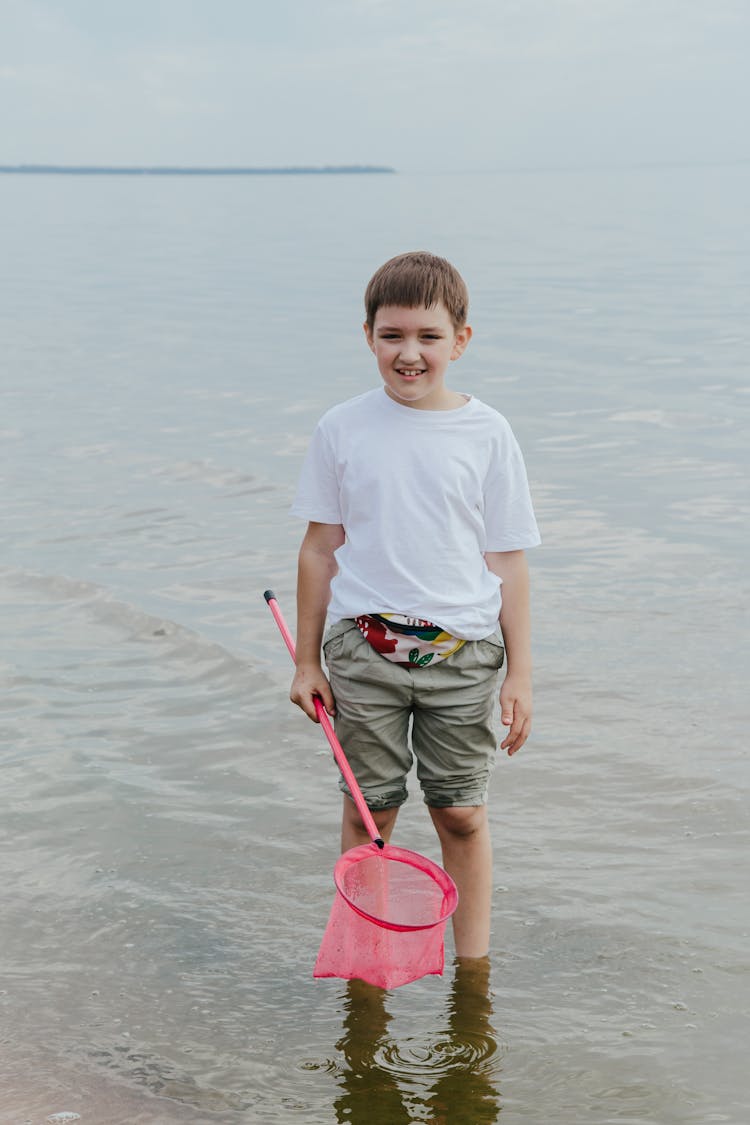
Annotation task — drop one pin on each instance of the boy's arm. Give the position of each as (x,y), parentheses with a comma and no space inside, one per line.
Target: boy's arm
(316,568)
(515,622)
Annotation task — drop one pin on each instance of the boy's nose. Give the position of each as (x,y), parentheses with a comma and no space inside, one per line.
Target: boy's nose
(409,351)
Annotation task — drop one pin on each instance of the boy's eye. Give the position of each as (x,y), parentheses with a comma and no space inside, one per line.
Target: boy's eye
(397,336)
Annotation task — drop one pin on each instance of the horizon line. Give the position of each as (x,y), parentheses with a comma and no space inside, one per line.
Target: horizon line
(193,170)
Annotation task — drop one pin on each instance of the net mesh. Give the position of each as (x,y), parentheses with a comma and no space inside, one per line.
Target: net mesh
(387,922)
(395,888)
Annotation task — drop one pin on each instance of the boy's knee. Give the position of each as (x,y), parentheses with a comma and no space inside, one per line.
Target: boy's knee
(461,821)
(384,818)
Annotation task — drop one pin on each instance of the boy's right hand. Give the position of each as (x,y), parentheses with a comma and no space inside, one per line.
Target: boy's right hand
(311,681)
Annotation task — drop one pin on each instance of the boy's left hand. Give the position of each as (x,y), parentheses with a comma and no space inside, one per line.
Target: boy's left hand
(515,705)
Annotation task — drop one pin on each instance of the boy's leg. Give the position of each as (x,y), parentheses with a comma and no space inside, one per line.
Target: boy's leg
(373,707)
(467,857)
(455,742)
(353,832)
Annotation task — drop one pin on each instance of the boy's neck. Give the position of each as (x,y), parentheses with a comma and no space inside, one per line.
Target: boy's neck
(446,400)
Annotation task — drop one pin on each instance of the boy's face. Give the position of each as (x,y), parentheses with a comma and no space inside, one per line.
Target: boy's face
(413,348)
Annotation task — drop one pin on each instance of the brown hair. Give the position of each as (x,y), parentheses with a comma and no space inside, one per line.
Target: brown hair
(414,279)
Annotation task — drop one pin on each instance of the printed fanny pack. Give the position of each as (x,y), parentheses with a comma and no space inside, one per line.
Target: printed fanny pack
(407,640)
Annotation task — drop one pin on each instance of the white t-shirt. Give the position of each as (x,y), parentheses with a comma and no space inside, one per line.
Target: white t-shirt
(421,494)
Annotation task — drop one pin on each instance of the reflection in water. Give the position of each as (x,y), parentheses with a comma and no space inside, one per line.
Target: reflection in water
(446,1078)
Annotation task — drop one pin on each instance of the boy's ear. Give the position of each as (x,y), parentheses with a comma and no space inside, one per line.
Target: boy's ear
(368,336)
(463,335)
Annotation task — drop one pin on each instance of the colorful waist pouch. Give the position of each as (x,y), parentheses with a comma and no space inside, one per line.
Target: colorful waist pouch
(407,640)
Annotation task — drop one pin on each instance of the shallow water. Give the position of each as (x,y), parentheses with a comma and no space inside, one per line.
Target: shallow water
(169,823)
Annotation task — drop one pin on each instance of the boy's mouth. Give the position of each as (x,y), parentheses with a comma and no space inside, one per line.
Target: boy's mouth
(409,372)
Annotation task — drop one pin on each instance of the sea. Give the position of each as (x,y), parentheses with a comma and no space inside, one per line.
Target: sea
(169,821)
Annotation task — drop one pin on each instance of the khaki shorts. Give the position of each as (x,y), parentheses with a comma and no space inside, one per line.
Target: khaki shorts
(450,706)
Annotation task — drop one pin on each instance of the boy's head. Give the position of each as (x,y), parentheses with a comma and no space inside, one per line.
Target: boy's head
(418,279)
(416,326)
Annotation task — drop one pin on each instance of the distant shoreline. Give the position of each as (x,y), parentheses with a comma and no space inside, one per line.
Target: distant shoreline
(174,170)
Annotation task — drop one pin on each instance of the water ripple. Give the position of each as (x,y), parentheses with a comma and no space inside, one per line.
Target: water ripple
(433,1056)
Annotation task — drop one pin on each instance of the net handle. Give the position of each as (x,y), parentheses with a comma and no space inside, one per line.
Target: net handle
(325,722)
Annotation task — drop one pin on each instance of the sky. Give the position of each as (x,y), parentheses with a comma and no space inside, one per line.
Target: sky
(420,85)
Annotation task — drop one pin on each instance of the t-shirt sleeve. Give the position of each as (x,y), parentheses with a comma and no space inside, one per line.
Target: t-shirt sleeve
(317,496)
(510,523)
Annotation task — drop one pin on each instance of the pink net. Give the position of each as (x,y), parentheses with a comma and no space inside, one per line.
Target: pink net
(387,922)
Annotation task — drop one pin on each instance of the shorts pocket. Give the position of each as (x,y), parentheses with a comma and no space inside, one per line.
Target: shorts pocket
(335,637)
(492,649)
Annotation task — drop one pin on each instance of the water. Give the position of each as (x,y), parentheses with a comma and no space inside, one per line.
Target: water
(169,823)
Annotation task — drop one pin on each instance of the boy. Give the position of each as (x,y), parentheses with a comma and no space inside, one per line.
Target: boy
(418,513)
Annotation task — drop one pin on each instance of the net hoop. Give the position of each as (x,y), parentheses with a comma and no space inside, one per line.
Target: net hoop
(413,860)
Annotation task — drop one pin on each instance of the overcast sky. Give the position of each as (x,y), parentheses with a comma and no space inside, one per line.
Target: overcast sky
(426,85)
